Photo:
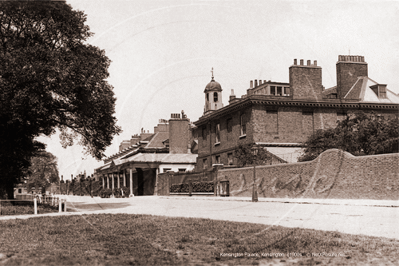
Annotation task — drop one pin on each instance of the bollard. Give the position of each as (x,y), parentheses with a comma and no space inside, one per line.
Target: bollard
(254,188)
(190,188)
(35,205)
(65,208)
(60,206)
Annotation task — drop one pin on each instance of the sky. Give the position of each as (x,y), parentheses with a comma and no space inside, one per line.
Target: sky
(162,53)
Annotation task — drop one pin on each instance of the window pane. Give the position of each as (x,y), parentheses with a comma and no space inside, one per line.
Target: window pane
(273,90)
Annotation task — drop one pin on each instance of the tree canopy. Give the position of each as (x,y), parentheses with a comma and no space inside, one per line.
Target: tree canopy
(43,170)
(250,154)
(51,78)
(359,134)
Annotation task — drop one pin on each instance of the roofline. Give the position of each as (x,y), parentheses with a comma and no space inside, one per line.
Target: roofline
(265,100)
(271,144)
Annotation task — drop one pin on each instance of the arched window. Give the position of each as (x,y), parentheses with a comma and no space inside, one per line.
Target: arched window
(207,96)
(215,97)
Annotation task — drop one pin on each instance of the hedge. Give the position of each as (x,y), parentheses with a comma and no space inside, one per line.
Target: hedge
(197,187)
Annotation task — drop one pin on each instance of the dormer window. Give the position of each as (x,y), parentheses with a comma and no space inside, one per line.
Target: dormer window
(215,97)
(380,90)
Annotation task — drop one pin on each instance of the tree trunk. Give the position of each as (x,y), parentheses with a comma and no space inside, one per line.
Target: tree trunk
(10,190)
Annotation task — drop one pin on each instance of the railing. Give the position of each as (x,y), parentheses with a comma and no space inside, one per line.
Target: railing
(35,200)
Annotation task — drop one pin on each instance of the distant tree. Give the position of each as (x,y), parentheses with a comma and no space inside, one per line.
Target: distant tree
(249,155)
(360,134)
(43,170)
(50,78)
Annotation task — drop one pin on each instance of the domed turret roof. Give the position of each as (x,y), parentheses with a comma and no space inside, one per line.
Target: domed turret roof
(213,86)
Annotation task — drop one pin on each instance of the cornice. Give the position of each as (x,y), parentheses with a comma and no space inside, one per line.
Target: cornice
(256,100)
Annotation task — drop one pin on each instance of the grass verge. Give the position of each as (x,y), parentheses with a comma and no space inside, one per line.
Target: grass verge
(24,207)
(122,239)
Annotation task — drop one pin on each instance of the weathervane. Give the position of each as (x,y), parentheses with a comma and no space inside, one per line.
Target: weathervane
(212,73)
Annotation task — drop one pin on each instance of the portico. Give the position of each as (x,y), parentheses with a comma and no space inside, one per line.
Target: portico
(140,172)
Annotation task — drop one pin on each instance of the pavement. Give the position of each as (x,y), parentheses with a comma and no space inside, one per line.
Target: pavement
(361,217)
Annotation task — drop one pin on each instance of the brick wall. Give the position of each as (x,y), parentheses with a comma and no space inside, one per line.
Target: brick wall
(334,174)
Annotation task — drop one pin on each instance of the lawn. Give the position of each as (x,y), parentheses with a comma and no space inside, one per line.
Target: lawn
(24,207)
(122,239)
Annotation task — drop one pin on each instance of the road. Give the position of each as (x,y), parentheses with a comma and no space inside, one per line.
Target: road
(372,218)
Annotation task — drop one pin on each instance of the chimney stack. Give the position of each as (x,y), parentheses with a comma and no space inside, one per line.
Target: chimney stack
(232,96)
(178,134)
(305,81)
(349,68)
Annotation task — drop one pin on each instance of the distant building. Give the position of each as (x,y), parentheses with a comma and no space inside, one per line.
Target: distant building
(281,116)
(171,147)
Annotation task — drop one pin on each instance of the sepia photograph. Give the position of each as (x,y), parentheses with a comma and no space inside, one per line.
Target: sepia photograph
(199,132)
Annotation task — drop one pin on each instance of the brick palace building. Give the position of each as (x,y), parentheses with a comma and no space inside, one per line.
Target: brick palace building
(280,116)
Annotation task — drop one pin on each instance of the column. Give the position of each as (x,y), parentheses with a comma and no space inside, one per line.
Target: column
(107,181)
(113,181)
(131,183)
(156,182)
(119,181)
(124,178)
(103,181)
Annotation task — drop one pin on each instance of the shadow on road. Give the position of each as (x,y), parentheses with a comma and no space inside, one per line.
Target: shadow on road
(82,206)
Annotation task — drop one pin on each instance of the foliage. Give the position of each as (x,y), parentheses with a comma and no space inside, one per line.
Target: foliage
(15,154)
(43,170)
(105,193)
(126,191)
(360,134)
(197,187)
(85,187)
(50,78)
(123,239)
(250,154)
(117,193)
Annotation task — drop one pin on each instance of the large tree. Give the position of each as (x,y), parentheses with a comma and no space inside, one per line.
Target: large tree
(358,134)
(50,78)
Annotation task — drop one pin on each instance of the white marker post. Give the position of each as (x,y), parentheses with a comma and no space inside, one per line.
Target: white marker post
(35,205)
(60,205)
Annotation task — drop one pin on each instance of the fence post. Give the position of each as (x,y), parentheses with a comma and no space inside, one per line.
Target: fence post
(60,206)
(254,188)
(65,207)
(190,188)
(35,205)
(168,184)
